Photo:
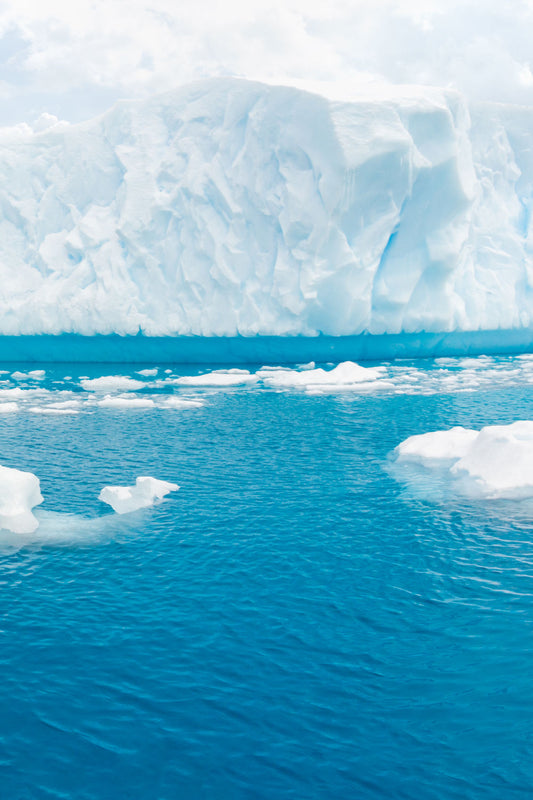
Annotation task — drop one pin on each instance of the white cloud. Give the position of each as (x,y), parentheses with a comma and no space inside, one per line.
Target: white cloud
(74,58)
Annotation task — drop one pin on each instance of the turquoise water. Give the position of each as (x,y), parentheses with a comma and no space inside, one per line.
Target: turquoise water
(113,348)
(293,623)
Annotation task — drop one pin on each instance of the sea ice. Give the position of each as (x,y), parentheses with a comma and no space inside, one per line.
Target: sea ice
(109,383)
(345,375)
(50,410)
(35,374)
(144,493)
(426,448)
(8,408)
(493,463)
(230,377)
(182,402)
(19,493)
(126,402)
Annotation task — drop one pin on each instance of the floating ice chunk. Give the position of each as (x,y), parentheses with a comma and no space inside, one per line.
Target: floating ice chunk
(126,402)
(35,374)
(109,383)
(436,446)
(346,374)
(8,408)
(148,373)
(230,377)
(51,410)
(146,492)
(21,394)
(19,493)
(182,402)
(499,464)
(494,463)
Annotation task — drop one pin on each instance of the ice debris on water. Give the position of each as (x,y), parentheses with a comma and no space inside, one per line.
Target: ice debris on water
(126,402)
(108,383)
(19,493)
(219,377)
(493,463)
(144,493)
(345,375)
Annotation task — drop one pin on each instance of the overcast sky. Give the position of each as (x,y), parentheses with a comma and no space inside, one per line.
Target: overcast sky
(74,59)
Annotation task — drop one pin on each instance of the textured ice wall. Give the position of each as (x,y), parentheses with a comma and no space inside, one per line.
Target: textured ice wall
(229,207)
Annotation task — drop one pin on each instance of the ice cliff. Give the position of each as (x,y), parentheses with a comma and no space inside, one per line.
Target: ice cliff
(229,207)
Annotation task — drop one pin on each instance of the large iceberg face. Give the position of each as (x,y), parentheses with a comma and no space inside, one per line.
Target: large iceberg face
(235,208)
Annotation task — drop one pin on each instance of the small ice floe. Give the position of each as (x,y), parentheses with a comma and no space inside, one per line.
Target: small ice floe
(19,493)
(219,377)
(59,408)
(8,408)
(50,410)
(111,383)
(125,403)
(148,373)
(34,374)
(346,375)
(144,493)
(182,402)
(21,394)
(493,463)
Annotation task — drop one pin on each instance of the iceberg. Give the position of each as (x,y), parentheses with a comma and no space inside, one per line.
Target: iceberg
(494,463)
(144,493)
(19,493)
(231,208)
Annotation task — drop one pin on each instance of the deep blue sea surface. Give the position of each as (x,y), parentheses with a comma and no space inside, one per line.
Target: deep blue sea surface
(292,623)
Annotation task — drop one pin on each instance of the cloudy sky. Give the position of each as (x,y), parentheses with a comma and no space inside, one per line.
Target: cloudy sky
(74,59)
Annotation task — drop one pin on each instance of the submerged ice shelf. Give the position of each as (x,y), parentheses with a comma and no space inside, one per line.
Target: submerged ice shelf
(118,349)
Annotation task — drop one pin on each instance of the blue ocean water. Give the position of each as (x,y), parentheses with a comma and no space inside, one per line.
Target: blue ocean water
(293,623)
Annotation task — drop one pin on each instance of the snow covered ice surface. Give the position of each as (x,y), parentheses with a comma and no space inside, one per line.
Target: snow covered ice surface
(495,463)
(230,207)
(143,494)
